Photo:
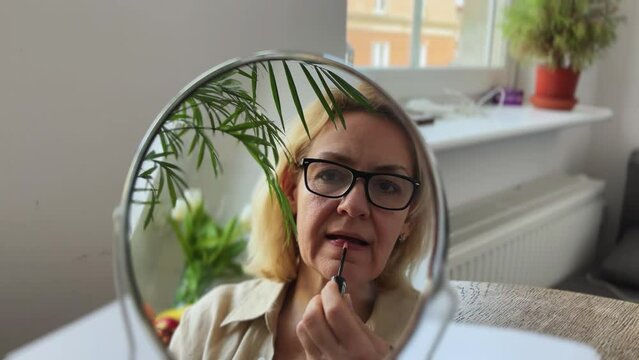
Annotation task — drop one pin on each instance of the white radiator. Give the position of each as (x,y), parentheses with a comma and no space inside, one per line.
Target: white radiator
(536,234)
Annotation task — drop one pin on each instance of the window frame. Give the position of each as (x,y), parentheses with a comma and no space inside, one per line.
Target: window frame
(416,81)
(423,55)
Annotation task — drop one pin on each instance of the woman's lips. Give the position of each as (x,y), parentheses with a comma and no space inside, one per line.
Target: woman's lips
(353,244)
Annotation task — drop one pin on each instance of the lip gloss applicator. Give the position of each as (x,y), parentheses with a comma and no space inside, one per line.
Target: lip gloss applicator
(341,282)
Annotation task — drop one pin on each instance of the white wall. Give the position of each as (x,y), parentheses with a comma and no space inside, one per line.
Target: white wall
(612,141)
(80,81)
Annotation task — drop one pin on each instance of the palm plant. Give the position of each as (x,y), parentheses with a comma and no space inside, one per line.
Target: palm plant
(224,106)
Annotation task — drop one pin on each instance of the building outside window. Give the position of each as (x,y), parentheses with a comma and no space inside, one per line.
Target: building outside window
(380,54)
(380,6)
(458,33)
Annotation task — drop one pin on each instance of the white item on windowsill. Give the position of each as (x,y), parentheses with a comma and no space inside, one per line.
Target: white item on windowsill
(455,104)
(428,108)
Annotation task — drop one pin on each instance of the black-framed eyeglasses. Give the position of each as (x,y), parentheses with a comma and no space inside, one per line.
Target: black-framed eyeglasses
(333,180)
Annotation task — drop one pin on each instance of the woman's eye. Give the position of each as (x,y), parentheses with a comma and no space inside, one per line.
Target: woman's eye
(388,187)
(330,176)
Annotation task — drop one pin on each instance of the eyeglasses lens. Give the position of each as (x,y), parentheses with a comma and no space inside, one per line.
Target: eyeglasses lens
(332,180)
(328,179)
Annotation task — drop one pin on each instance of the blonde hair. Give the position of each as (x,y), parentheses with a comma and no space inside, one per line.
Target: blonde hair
(274,256)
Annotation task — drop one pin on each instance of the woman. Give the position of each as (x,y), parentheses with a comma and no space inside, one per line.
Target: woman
(365,186)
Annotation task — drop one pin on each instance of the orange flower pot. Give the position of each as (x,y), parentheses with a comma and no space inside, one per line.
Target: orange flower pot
(555,88)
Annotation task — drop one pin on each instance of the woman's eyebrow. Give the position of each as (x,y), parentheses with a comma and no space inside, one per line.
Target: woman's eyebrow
(340,158)
(391,168)
(337,157)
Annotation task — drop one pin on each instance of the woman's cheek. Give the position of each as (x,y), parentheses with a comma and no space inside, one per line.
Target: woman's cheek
(309,228)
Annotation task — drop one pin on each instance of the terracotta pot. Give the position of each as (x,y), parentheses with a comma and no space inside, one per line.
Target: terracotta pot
(555,88)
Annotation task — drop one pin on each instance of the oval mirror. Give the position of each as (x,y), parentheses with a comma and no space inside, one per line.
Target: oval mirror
(284,206)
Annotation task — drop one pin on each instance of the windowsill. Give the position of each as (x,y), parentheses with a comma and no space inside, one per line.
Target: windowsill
(503,122)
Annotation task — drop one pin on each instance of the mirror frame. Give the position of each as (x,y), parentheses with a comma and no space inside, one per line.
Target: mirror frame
(125,282)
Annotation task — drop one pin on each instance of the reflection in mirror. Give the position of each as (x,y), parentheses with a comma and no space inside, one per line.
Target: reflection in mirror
(259,189)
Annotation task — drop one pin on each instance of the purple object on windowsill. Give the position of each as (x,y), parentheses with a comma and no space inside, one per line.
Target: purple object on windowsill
(512,97)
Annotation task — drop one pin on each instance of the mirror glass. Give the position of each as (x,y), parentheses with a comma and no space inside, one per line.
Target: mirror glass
(254,186)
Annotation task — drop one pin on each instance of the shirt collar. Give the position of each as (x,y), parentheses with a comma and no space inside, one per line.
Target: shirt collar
(255,301)
(264,297)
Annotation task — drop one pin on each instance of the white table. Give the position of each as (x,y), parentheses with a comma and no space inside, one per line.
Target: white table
(101,335)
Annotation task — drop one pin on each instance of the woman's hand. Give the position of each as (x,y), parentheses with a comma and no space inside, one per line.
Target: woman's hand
(330,329)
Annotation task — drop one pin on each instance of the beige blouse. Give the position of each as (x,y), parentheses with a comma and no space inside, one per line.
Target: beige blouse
(239,321)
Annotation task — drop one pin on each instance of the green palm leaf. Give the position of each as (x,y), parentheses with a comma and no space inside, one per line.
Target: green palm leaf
(232,110)
(296,97)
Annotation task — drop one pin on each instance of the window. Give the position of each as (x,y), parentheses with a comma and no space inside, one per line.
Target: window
(458,33)
(423,55)
(380,54)
(380,6)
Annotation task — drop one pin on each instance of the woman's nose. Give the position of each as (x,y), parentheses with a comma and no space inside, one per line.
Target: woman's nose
(355,203)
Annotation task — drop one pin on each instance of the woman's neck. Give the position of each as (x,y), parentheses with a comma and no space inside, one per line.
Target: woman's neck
(309,283)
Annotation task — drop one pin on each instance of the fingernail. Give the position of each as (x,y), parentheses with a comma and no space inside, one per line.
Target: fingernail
(349,301)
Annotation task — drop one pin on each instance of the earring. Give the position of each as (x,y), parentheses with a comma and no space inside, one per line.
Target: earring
(401,238)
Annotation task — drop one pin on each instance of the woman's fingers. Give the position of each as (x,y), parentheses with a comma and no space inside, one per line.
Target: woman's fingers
(349,329)
(311,351)
(316,328)
(331,329)
(343,321)
(349,301)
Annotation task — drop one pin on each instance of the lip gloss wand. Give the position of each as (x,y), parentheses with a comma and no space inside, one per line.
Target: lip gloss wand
(341,282)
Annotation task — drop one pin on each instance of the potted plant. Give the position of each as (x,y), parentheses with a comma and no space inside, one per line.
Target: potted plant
(210,250)
(564,36)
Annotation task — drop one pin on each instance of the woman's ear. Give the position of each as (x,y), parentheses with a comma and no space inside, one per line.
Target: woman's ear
(288,182)
(407,227)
